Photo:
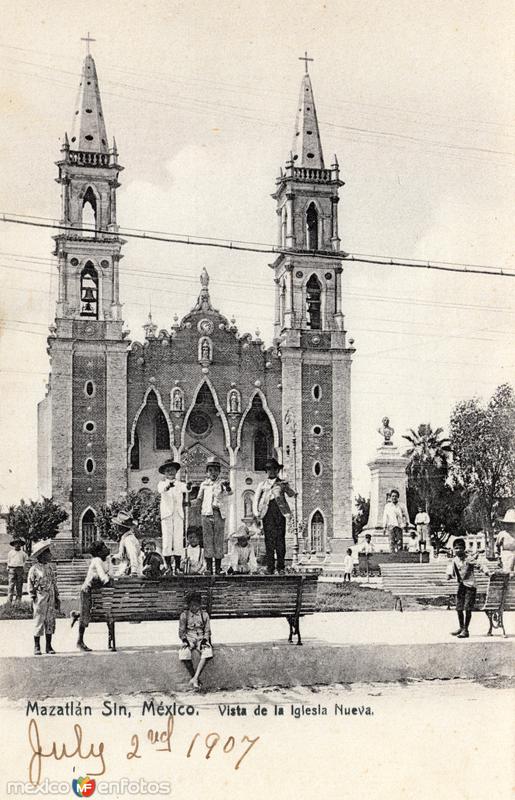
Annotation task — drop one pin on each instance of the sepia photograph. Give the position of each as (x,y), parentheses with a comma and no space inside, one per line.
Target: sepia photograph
(257,369)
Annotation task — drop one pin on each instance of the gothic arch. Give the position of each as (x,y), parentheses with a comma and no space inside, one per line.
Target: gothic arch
(266,409)
(311,277)
(312,227)
(90,195)
(137,416)
(221,413)
(86,520)
(317,516)
(89,287)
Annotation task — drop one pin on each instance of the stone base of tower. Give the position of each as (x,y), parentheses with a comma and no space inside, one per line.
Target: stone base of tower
(340,545)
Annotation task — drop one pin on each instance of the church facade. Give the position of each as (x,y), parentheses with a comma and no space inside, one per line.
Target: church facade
(116,409)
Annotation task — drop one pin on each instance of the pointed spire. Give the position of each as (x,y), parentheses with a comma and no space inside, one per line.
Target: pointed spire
(89,131)
(307,148)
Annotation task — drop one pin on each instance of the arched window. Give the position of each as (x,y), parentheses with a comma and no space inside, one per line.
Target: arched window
(314,303)
(89,530)
(248,500)
(135,453)
(312,227)
(317,531)
(89,291)
(162,434)
(89,213)
(261,450)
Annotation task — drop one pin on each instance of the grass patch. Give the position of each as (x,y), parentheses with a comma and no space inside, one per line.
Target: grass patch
(23,611)
(352,597)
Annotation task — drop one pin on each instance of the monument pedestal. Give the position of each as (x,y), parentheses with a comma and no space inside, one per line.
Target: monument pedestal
(387,472)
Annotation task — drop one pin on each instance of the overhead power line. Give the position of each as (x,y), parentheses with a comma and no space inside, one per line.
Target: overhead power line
(196,241)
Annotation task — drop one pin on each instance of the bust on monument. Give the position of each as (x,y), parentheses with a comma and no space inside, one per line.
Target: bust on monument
(386,432)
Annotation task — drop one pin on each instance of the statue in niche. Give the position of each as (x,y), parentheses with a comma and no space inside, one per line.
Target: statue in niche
(177,399)
(386,432)
(205,350)
(234,404)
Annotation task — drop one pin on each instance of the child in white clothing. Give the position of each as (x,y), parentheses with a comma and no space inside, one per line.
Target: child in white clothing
(193,562)
(348,565)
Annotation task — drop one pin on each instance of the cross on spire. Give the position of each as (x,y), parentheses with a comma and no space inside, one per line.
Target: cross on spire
(305,59)
(87,39)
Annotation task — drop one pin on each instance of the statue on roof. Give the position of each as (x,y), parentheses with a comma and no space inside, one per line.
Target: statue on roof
(204,301)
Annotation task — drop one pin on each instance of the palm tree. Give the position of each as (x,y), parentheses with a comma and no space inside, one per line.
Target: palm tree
(429,459)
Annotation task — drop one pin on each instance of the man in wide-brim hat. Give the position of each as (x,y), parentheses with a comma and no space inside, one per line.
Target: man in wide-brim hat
(505,541)
(174,495)
(211,499)
(129,551)
(42,588)
(16,560)
(271,507)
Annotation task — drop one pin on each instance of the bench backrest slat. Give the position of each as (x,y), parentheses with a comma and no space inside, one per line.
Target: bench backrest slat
(240,596)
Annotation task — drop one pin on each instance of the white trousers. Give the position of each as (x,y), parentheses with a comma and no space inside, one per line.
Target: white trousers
(172,529)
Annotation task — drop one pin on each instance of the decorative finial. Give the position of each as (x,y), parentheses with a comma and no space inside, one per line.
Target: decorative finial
(305,59)
(204,278)
(149,327)
(87,39)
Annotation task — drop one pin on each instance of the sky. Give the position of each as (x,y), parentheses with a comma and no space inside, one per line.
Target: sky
(415,98)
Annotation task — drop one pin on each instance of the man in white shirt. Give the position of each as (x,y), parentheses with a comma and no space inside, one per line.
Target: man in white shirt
(211,499)
(422,521)
(395,520)
(174,494)
(16,560)
(505,541)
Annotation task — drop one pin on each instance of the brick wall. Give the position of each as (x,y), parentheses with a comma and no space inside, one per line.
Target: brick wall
(88,367)
(317,490)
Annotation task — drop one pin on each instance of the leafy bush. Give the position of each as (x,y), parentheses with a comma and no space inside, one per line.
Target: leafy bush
(144,507)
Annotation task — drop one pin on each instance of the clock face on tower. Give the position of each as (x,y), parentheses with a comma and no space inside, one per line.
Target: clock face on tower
(205,326)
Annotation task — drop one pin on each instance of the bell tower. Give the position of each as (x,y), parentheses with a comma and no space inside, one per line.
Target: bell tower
(86,407)
(309,331)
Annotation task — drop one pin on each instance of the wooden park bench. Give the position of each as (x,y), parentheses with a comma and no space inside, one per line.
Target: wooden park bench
(134,599)
(424,581)
(500,597)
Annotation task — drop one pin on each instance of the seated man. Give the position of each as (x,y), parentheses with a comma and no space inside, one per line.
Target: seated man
(242,558)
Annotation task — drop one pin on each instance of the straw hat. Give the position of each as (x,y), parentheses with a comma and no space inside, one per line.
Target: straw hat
(509,517)
(123,520)
(41,546)
(17,540)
